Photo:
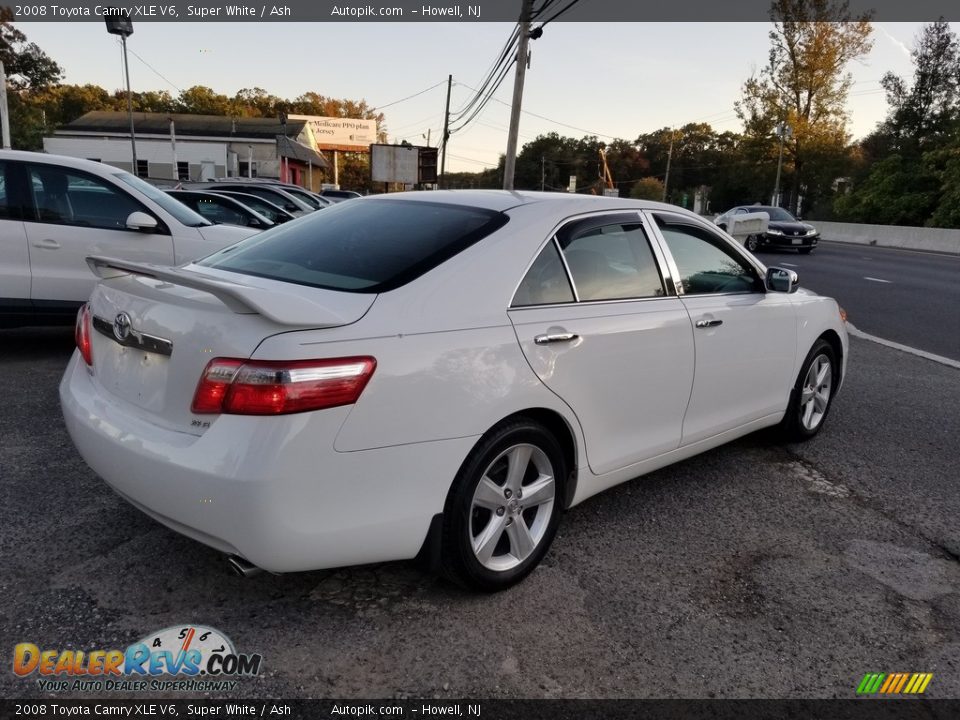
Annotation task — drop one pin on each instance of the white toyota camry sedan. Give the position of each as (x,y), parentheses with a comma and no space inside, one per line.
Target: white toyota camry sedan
(436,374)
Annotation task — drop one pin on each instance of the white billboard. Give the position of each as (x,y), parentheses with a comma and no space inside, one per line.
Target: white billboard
(394,163)
(335,133)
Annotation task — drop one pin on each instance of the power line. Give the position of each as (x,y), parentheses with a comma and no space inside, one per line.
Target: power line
(551,120)
(153,69)
(508,50)
(559,12)
(409,97)
(487,97)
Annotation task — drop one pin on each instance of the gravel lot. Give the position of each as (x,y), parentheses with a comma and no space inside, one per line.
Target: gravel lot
(752,571)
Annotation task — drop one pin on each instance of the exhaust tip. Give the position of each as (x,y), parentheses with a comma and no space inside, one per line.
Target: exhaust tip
(242,567)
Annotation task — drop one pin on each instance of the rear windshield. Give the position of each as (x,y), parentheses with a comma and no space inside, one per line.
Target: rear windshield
(367,246)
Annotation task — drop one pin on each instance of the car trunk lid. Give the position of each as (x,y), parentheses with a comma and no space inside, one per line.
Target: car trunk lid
(155,329)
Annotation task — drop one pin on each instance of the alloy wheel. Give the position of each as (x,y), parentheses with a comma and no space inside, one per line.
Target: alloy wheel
(815,394)
(511,507)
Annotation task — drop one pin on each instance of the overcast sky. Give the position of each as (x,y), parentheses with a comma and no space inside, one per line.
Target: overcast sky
(611,80)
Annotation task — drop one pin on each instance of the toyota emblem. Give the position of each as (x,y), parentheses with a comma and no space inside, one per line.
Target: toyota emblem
(121,326)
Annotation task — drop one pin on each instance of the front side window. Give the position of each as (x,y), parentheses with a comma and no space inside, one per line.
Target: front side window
(68,197)
(366,247)
(611,262)
(705,265)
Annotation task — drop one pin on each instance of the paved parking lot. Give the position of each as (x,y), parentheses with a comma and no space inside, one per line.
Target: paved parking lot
(752,571)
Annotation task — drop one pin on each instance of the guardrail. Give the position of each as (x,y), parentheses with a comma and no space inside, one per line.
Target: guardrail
(911,238)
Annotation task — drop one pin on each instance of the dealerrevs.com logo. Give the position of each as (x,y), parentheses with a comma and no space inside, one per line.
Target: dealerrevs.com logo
(188,658)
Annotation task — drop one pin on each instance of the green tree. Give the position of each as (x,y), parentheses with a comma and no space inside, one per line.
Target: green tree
(648,188)
(805,85)
(924,112)
(897,192)
(26,65)
(201,100)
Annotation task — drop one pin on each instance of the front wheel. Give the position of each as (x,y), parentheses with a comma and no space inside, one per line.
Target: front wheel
(752,243)
(812,394)
(504,507)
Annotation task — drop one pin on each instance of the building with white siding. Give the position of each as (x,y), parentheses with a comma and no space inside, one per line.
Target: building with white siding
(194,147)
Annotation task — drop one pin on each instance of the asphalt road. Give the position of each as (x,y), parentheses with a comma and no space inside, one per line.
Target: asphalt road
(755,570)
(908,297)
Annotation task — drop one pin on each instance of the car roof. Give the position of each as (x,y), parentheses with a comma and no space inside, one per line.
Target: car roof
(503,200)
(92,166)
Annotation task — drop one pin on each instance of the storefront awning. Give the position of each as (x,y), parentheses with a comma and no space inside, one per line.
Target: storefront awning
(290,148)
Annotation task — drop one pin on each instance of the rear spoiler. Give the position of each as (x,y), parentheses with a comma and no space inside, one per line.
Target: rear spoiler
(281,307)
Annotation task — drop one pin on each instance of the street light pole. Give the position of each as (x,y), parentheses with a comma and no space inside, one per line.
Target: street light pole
(119,23)
(133,139)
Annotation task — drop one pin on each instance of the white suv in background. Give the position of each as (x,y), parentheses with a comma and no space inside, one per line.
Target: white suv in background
(55,211)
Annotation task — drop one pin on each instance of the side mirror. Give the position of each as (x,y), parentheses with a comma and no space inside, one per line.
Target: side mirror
(141,222)
(782,280)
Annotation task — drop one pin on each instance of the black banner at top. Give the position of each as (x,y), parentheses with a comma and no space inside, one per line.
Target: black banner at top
(452,11)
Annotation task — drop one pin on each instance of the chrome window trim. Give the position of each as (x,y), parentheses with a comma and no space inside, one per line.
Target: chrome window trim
(729,242)
(667,274)
(586,303)
(566,269)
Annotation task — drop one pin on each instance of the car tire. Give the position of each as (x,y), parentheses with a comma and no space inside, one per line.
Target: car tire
(805,251)
(492,539)
(812,394)
(752,243)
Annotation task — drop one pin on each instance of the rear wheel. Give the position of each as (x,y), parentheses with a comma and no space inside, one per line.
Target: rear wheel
(812,394)
(504,507)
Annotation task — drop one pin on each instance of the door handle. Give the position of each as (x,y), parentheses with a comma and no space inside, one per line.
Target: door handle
(556,337)
(708,323)
(47,244)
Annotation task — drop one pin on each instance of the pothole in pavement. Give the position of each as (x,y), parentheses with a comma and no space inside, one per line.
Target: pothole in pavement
(910,573)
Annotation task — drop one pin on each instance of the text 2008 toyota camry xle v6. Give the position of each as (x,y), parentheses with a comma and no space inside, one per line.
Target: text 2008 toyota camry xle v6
(437,370)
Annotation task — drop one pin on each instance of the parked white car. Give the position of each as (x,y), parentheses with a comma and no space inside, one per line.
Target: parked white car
(436,372)
(55,211)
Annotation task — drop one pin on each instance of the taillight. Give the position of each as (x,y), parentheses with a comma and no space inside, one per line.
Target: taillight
(81,333)
(268,387)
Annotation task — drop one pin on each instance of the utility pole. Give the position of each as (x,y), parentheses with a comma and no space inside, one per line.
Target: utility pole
(543,172)
(666,177)
(775,200)
(446,133)
(510,162)
(4,112)
(173,149)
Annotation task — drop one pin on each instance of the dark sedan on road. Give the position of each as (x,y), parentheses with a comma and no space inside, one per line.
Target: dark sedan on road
(783,231)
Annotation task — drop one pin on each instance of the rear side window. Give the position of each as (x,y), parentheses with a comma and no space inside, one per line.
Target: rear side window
(9,205)
(360,247)
(546,281)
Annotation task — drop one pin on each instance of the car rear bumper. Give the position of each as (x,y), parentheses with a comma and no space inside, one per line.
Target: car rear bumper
(272,490)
